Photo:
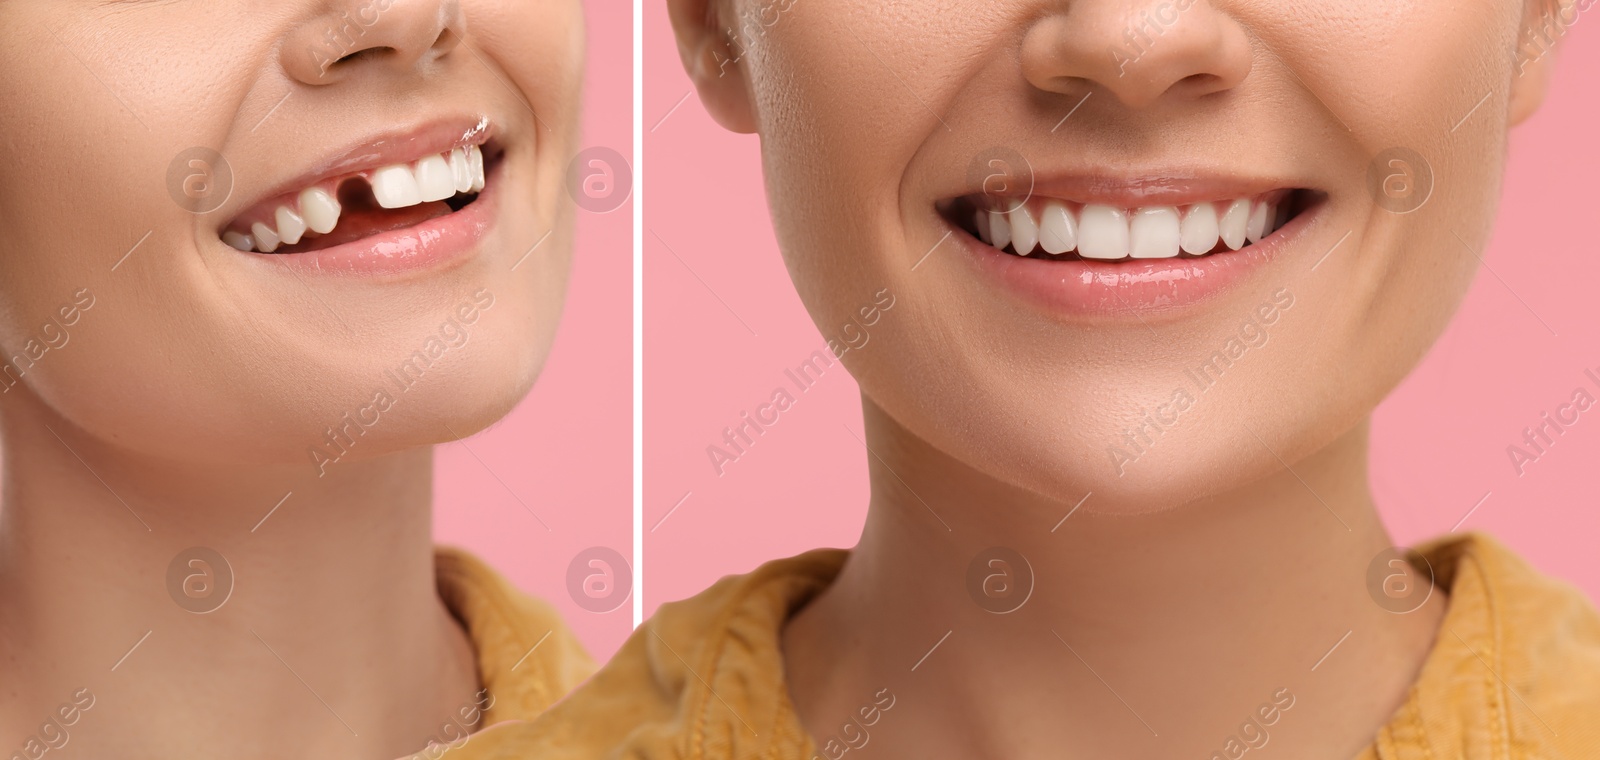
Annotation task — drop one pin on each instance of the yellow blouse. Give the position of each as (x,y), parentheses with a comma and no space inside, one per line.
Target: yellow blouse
(1517,677)
(527,657)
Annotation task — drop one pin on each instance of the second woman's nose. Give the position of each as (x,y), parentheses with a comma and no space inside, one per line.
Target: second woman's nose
(1140,52)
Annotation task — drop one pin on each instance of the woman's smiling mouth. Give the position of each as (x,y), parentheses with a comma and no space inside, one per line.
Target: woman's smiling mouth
(1135,248)
(396,202)
(367,202)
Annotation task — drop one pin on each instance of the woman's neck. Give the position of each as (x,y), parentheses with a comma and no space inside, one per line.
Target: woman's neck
(1141,637)
(330,640)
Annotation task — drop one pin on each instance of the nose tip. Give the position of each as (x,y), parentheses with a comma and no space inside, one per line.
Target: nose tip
(400,35)
(1176,50)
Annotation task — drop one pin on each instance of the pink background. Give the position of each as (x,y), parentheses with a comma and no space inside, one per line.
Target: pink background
(566,451)
(1439,442)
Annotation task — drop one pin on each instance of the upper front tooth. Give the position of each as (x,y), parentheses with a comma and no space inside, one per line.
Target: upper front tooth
(1058,231)
(1154,233)
(290,225)
(1024,231)
(1199,232)
(1103,232)
(475,164)
(1234,224)
(1260,214)
(320,209)
(396,187)
(981,221)
(999,229)
(460,171)
(435,181)
(266,239)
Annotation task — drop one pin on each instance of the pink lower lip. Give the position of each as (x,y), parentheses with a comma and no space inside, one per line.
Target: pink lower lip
(1129,289)
(434,244)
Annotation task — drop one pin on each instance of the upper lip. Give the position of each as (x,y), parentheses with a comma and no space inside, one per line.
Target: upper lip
(1134,190)
(398,146)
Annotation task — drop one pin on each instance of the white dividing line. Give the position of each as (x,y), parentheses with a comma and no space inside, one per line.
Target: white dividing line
(638,312)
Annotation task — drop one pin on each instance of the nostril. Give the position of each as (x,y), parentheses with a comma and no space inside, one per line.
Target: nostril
(364,54)
(446,41)
(1199,84)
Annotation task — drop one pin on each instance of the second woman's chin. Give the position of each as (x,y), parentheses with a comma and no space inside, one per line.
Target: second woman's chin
(1159,457)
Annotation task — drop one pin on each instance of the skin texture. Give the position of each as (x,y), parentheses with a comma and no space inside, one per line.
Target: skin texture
(181,404)
(1220,565)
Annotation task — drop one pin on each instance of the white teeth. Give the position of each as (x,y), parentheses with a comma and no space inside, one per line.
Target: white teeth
(290,226)
(1199,231)
(434,179)
(1024,231)
(266,239)
(1058,231)
(320,210)
(1235,223)
(396,187)
(460,171)
(475,164)
(999,230)
(1102,232)
(1260,215)
(238,240)
(1154,233)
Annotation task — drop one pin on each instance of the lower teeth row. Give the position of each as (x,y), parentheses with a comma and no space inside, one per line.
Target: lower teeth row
(1108,233)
